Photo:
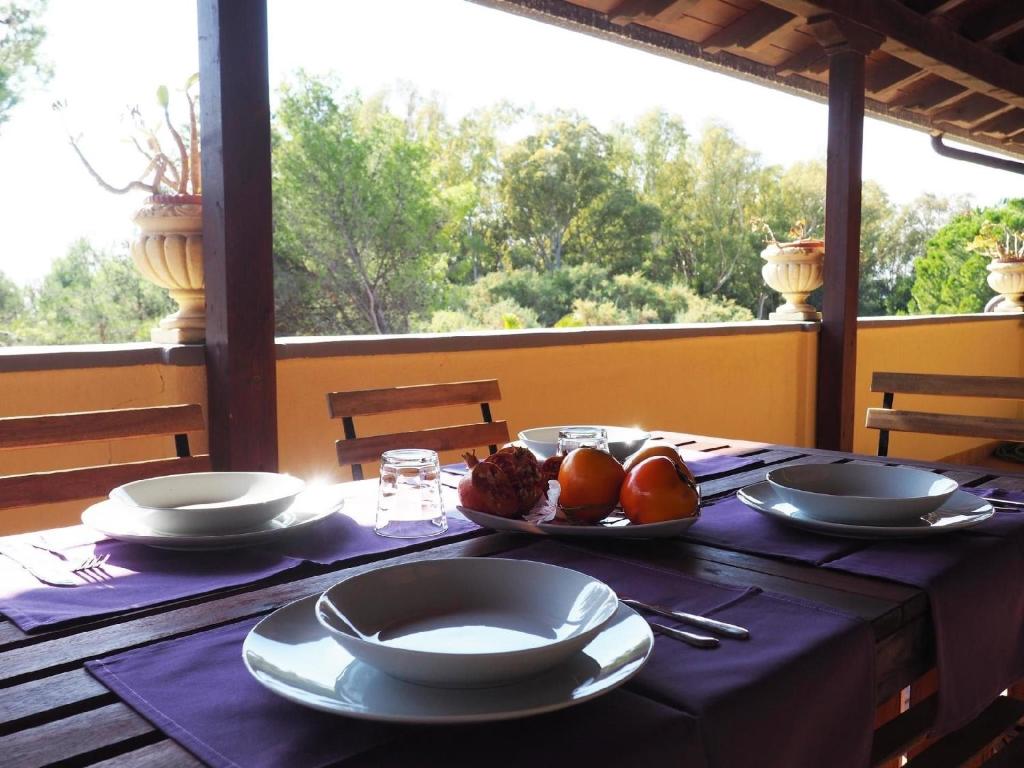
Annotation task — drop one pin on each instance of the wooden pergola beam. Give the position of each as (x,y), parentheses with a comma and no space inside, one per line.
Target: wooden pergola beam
(235,110)
(750,28)
(926,43)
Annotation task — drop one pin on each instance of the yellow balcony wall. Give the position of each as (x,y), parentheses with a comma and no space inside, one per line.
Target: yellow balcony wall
(753,381)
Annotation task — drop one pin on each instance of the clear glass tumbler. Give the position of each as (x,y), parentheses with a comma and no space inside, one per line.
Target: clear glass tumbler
(409,502)
(571,438)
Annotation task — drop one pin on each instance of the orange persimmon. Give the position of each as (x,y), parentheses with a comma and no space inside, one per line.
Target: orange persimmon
(656,490)
(659,450)
(590,481)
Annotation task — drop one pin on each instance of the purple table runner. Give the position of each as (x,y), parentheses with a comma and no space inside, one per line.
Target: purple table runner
(142,576)
(686,707)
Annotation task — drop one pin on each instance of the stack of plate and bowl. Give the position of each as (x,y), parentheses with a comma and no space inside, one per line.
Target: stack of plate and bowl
(449,641)
(207,510)
(865,500)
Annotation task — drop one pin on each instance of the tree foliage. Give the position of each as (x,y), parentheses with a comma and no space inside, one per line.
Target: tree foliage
(20,64)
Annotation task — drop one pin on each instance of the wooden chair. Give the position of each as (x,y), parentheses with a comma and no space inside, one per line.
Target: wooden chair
(886,419)
(354,450)
(91,482)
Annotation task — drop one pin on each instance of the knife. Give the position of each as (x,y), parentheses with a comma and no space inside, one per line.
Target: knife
(38,565)
(727,630)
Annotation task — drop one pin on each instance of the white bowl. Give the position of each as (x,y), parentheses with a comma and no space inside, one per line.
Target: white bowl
(209,502)
(466,622)
(622,441)
(861,493)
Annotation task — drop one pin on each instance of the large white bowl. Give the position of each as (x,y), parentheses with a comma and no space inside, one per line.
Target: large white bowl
(622,441)
(209,502)
(861,493)
(466,622)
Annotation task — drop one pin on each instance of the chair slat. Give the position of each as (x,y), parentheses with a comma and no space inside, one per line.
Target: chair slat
(367,401)
(88,482)
(364,449)
(946,424)
(944,384)
(26,431)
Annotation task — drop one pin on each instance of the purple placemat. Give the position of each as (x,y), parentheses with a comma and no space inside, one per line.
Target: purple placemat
(1008,520)
(977,605)
(137,576)
(731,524)
(687,707)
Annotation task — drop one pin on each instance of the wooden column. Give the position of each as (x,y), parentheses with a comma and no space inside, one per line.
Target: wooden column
(235,110)
(847,46)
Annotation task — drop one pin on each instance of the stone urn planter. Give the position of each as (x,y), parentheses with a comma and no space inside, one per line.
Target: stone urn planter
(168,251)
(1007,279)
(794,270)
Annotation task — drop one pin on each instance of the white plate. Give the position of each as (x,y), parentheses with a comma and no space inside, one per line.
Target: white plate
(466,621)
(613,527)
(291,654)
(118,522)
(622,441)
(962,510)
(209,502)
(868,494)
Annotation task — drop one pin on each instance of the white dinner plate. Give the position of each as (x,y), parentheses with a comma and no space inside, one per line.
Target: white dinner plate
(293,655)
(615,526)
(466,621)
(962,510)
(116,521)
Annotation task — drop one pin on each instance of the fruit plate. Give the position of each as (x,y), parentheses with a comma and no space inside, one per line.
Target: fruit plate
(615,526)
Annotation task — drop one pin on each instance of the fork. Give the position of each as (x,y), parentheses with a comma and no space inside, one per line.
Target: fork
(91,569)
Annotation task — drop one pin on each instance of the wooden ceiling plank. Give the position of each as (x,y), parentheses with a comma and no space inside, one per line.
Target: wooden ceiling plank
(799,62)
(996,25)
(750,28)
(631,11)
(1004,125)
(972,110)
(932,93)
(926,44)
(892,74)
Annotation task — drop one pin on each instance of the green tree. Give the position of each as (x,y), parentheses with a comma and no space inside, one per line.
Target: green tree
(12,307)
(90,296)
(356,212)
(949,279)
(549,179)
(20,65)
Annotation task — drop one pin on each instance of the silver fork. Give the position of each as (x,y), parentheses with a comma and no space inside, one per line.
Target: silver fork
(91,569)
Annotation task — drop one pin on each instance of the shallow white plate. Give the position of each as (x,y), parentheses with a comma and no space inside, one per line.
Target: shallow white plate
(869,494)
(615,526)
(293,655)
(622,441)
(116,521)
(962,510)
(466,621)
(209,502)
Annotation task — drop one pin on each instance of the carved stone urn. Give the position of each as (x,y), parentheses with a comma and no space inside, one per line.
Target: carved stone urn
(794,270)
(168,251)
(1007,279)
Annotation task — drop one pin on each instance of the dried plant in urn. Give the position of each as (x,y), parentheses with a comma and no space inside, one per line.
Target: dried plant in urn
(794,268)
(1006,269)
(168,247)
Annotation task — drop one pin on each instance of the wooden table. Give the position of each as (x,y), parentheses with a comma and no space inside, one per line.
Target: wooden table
(52,710)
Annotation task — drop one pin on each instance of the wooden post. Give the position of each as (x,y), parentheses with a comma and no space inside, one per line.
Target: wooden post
(846,46)
(235,110)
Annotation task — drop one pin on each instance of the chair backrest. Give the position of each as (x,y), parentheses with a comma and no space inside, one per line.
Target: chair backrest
(354,450)
(90,482)
(887,419)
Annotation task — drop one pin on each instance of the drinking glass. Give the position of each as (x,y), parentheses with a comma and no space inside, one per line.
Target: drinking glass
(571,438)
(409,495)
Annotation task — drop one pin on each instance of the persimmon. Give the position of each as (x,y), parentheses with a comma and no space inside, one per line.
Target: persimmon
(656,490)
(659,450)
(590,481)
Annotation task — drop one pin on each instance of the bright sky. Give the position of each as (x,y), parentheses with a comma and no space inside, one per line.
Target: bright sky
(111,53)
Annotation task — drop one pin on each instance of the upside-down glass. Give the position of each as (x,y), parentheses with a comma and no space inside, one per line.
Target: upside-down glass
(571,438)
(409,496)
